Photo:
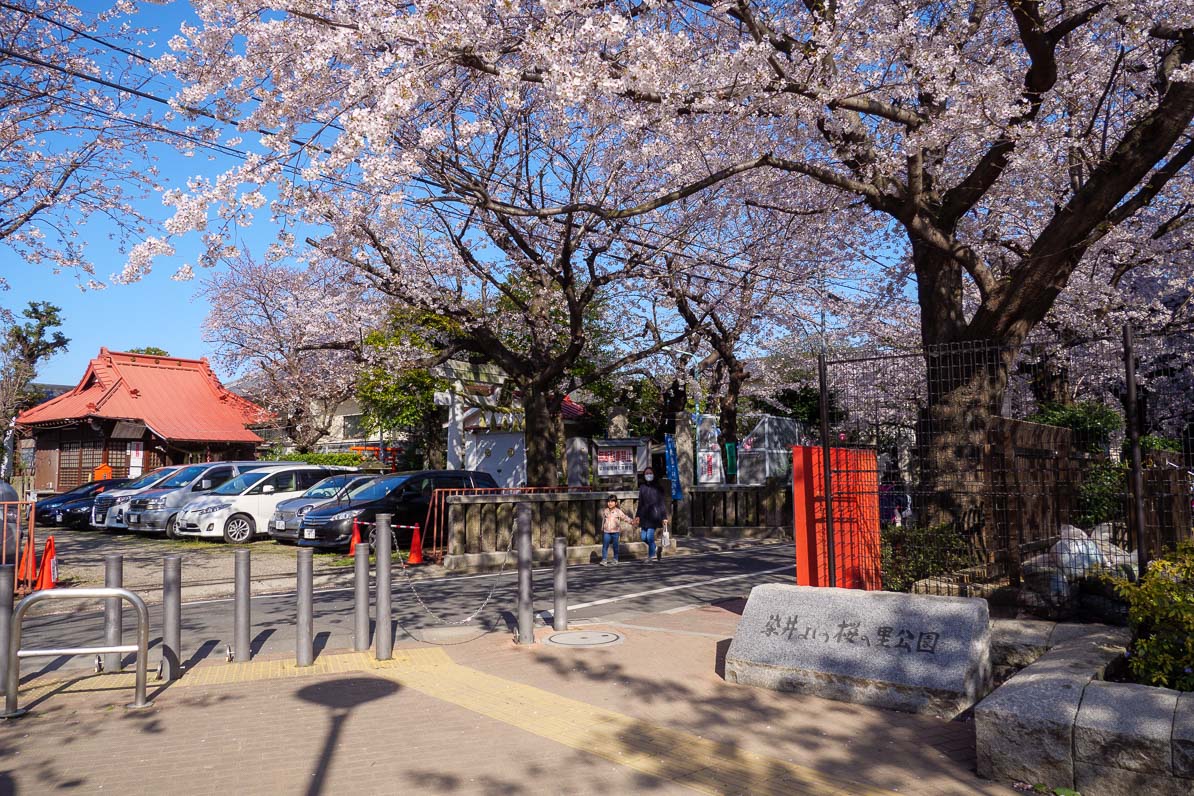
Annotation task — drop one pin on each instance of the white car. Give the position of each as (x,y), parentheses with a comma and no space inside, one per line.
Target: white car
(241,508)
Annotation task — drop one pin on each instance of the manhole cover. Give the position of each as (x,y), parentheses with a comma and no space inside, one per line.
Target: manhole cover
(584,638)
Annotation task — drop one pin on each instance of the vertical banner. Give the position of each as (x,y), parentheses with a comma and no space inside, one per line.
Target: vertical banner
(136,458)
(673,466)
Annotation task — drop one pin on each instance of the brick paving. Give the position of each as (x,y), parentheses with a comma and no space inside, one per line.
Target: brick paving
(649,715)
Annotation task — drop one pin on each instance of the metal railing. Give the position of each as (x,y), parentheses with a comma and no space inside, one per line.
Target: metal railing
(15,653)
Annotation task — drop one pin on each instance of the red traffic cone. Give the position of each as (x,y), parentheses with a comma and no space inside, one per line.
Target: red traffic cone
(416,547)
(356,537)
(27,571)
(47,578)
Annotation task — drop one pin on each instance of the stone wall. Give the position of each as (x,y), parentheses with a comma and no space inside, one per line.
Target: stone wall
(1057,723)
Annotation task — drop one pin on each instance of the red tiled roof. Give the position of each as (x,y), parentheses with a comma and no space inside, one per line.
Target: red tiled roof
(178,399)
(571,410)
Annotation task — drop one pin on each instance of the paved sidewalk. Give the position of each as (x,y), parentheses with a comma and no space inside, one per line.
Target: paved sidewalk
(650,714)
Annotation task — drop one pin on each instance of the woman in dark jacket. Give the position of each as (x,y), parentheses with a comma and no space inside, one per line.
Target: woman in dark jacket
(652,511)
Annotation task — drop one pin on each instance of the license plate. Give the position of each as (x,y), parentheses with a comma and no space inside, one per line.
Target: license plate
(279,525)
(309,533)
(58,517)
(134,518)
(100,517)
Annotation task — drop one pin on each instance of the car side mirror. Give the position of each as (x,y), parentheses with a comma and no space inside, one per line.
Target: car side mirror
(205,485)
(268,489)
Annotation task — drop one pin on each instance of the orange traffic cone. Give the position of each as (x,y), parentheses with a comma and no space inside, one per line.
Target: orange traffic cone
(27,571)
(356,537)
(416,547)
(47,578)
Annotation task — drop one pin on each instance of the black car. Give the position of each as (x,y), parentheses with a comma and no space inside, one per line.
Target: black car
(49,511)
(405,496)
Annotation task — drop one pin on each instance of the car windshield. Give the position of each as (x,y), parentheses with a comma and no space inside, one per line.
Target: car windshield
(149,479)
(375,490)
(328,487)
(240,483)
(183,477)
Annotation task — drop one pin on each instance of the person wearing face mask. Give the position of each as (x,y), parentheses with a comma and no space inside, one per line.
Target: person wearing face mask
(652,512)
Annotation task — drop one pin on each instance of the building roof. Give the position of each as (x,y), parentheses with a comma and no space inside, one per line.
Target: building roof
(178,399)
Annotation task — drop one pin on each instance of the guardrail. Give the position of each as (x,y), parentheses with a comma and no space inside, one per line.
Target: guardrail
(15,653)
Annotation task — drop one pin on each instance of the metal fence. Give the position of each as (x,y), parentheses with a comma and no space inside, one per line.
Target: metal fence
(1018,475)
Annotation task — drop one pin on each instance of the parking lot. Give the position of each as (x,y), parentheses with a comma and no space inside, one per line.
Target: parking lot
(205,564)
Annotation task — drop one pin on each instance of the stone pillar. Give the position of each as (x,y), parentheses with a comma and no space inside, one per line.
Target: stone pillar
(577,458)
(619,422)
(685,442)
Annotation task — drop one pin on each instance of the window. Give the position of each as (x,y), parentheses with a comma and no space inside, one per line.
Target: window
(282,482)
(69,475)
(309,478)
(450,482)
(217,476)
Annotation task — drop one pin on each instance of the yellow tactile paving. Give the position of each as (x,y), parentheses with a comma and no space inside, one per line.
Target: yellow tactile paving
(659,751)
(673,755)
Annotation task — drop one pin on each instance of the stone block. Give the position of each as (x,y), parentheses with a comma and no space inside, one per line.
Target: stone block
(1125,725)
(922,654)
(1095,780)
(1018,642)
(1025,729)
(1183,738)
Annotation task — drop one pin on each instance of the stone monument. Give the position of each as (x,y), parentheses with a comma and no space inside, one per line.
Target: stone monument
(917,653)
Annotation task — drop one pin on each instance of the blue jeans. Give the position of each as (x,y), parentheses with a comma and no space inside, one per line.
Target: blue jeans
(648,535)
(608,540)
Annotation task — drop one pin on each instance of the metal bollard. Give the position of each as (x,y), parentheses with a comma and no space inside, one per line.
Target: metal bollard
(304,652)
(382,631)
(113,611)
(242,603)
(526,597)
(559,582)
(8,582)
(171,618)
(360,633)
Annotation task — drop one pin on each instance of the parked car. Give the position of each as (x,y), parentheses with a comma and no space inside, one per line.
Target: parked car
(108,511)
(404,496)
(47,509)
(241,508)
(284,525)
(156,510)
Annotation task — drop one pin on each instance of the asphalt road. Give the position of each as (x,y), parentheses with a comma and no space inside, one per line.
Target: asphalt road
(595,593)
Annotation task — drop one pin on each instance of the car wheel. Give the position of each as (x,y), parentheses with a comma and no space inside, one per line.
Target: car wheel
(239,529)
(172,527)
(373,540)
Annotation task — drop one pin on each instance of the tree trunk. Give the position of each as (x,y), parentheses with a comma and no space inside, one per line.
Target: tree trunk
(9,460)
(965,390)
(728,420)
(541,436)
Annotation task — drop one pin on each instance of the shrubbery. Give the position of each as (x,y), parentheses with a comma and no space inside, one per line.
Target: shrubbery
(1161,615)
(1101,494)
(1091,422)
(330,459)
(912,553)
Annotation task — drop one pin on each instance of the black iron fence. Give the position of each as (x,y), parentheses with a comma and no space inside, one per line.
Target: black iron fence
(1025,475)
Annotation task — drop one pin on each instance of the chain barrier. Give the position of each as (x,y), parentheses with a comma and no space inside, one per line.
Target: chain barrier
(450,622)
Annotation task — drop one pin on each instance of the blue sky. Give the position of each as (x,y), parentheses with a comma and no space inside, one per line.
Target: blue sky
(154,312)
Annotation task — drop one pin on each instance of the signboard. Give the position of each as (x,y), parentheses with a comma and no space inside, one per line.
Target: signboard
(136,458)
(615,461)
(709,467)
(673,466)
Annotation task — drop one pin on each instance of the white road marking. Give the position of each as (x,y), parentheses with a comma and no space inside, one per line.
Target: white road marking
(620,598)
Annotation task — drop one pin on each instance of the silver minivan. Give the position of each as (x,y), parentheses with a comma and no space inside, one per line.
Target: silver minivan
(156,510)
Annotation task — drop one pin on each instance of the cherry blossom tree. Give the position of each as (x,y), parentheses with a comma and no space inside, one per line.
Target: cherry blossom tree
(999,145)
(73,145)
(284,328)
